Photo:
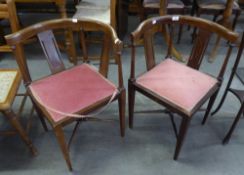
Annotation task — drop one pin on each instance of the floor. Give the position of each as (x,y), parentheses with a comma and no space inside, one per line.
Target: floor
(147,149)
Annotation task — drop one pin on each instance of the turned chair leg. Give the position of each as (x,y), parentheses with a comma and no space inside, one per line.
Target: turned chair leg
(13,119)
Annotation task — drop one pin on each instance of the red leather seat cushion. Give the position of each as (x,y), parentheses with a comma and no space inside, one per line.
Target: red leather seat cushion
(177,84)
(72,90)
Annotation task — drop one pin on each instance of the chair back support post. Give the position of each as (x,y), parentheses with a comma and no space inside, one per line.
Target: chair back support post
(228,11)
(113,15)
(14,22)
(18,51)
(133,52)
(149,49)
(61,6)
(83,45)
(163,7)
(105,56)
(171,38)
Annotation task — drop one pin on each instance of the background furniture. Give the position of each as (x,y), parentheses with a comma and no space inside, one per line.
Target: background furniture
(225,8)
(8,12)
(9,83)
(163,7)
(167,82)
(43,6)
(104,11)
(87,91)
(216,8)
(60,7)
(238,93)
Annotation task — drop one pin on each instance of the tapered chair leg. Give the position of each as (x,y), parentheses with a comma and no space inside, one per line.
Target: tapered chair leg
(122,104)
(233,126)
(181,136)
(131,102)
(16,124)
(61,140)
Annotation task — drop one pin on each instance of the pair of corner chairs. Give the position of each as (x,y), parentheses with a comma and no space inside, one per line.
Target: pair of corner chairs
(73,94)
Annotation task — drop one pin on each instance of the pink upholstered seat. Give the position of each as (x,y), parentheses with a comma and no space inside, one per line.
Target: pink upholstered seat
(177,84)
(72,90)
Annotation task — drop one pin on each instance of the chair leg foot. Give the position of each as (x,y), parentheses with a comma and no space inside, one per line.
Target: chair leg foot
(61,140)
(16,124)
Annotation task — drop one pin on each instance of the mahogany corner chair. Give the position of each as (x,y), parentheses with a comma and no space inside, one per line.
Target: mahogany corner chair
(86,89)
(181,88)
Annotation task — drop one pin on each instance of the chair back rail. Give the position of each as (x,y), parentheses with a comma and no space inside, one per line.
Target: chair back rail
(148,28)
(17,40)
